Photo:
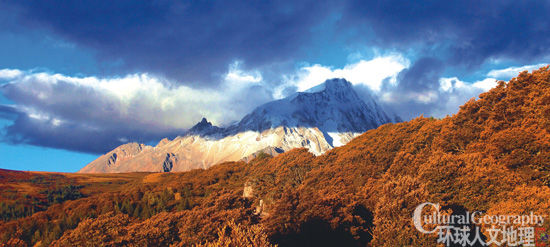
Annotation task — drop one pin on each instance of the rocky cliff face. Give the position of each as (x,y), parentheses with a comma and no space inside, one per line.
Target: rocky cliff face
(192,152)
(319,119)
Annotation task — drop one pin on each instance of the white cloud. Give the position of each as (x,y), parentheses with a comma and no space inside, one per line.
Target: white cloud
(9,74)
(452,84)
(371,73)
(424,97)
(486,84)
(447,84)
(509,73)
(454,92)
(236,76)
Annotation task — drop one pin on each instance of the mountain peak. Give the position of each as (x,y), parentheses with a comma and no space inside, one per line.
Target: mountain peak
(204,121)
(337,90)
(332,106)
(204,128)
(331,85)
(202,125)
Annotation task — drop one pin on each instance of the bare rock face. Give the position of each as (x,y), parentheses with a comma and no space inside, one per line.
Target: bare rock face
(248,190)
(260,209)
(196,152)
(111,161)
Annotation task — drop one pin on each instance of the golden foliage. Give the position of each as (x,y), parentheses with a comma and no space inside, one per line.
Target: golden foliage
(238,235)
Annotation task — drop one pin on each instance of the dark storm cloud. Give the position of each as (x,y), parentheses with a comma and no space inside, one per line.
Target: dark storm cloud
(190,41)
(418,81)
(196,40)
(462,32)
(74,136)
(423,75)
(73,117)
(8,112)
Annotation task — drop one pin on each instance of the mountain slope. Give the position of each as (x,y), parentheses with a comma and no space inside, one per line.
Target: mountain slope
(319,119)
(193,151)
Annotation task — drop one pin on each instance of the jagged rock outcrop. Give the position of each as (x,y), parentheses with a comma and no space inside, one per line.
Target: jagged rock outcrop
(169,162)
(204,128)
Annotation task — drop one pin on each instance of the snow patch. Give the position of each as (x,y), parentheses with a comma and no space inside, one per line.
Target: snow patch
(336,139)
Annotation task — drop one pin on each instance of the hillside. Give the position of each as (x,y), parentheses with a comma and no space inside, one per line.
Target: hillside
(492,156)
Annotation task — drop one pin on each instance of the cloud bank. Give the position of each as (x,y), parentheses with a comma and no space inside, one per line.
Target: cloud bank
(507,73)
(92,114)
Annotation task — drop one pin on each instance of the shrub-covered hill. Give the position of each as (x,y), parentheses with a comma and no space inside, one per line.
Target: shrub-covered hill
(492,156)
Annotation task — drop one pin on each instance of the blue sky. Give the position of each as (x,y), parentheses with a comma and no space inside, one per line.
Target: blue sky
(80,78)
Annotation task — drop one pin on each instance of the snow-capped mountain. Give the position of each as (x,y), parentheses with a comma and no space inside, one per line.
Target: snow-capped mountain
(333,107)
(323,117)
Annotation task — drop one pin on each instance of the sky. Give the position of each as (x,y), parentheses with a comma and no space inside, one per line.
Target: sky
(78,78)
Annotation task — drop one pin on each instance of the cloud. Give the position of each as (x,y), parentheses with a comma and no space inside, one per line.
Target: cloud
(239,77)
(191,42)
(454,92)
(442,100)
(463,33)
(422,89)
(8,74)
(370,73)
(92,114)
(510,72)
